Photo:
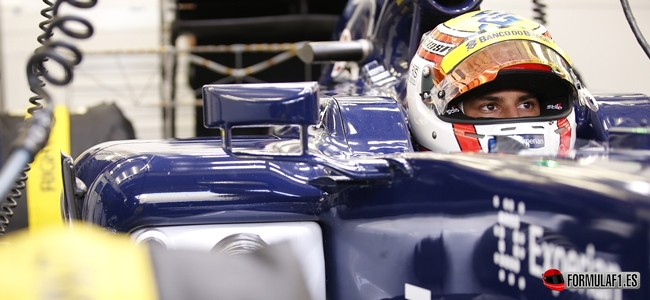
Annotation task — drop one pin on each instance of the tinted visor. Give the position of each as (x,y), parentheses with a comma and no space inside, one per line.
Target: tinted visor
(555,279)
(482,67)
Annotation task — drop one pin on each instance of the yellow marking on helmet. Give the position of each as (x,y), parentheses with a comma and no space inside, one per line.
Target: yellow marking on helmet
(478,42)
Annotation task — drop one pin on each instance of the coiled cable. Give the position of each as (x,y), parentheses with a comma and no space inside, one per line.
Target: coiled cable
(7,207)
(45,12)
(35,132)
(539,9)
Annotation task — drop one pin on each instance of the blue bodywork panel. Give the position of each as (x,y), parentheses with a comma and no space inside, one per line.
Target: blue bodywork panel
(278,103)
(429,218)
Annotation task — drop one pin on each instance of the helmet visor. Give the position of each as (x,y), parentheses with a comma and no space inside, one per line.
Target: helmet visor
(482,67)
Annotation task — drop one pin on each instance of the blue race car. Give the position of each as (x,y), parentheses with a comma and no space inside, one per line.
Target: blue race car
(378,176)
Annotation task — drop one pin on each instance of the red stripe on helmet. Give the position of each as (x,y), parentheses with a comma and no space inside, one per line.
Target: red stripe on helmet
(439,37)
(429,56)
(466,143)
(565,136)
(445,38)
(537,67)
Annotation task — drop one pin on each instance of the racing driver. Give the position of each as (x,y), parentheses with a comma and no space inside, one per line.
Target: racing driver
(487,81)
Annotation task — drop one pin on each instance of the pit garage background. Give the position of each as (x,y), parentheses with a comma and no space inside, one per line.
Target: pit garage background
(131,85)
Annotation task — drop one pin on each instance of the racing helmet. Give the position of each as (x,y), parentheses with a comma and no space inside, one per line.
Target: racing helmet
(483,52)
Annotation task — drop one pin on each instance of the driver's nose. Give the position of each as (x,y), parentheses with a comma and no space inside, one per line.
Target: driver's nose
(509,111)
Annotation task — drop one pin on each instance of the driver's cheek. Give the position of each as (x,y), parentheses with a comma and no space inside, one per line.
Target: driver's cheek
(490,113)
(530,112)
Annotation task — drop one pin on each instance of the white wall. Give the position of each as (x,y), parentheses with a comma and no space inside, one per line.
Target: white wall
(596,36)
(130,80)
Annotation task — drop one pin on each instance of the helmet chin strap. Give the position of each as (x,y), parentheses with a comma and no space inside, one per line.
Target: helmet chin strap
(460,106)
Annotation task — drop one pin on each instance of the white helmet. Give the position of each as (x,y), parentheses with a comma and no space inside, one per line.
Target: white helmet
(483,52)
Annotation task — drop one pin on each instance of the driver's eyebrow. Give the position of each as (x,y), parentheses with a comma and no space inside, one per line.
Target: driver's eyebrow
(527,97)
(498,99)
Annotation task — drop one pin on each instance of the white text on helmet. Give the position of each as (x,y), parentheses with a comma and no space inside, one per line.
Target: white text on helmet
(485,38)
(554,106)
(437,47)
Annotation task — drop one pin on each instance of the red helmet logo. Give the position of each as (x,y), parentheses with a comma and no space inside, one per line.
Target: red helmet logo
(553,279)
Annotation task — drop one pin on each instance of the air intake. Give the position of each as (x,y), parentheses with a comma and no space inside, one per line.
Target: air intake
(239,243)
(451,7)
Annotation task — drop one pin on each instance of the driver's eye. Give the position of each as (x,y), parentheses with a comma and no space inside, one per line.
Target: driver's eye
(489,107)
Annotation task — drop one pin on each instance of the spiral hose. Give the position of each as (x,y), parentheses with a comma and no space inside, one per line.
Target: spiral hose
(539,10)
(36,130)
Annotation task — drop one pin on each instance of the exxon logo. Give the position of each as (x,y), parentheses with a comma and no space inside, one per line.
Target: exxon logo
(532,141)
